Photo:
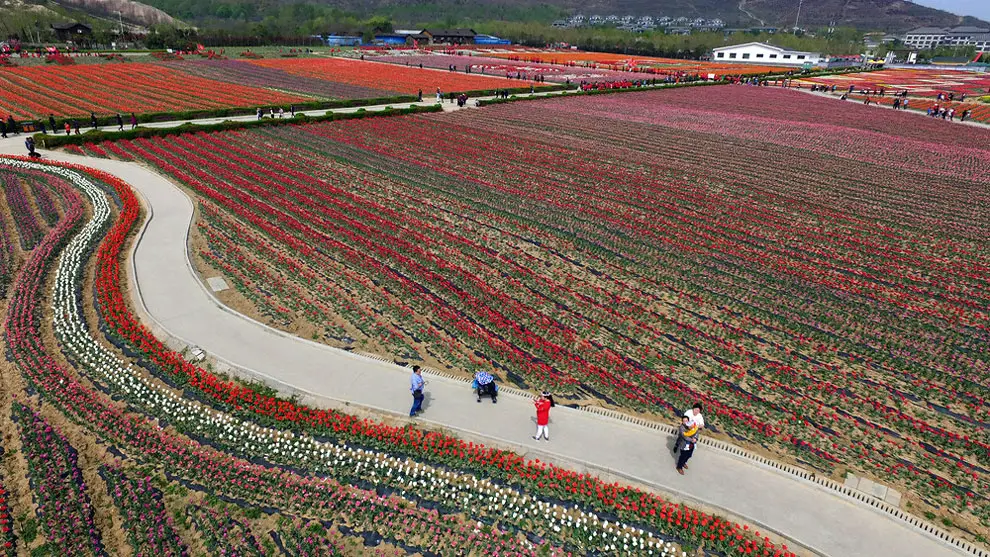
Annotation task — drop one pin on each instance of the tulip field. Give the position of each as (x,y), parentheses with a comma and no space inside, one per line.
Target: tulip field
(76,91)
(115,444)
(557,73)
(379,76)
(36,92)
(817,277)
(254,75)
(625,62)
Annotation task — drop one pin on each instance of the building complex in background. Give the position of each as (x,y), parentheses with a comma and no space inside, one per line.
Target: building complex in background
(932,37)
(642,23)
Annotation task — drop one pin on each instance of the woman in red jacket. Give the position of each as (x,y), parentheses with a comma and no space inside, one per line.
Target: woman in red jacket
(543,404)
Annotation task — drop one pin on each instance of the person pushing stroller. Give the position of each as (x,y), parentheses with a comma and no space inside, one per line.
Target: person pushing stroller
(484,383)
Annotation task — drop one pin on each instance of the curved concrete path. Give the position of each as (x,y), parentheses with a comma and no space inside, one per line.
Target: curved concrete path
(179,307)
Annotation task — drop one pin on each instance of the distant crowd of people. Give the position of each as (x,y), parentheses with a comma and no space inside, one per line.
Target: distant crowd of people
(902,102)
(605,85)
(273,112)
(69,125)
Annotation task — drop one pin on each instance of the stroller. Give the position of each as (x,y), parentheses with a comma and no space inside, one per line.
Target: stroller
(484,385)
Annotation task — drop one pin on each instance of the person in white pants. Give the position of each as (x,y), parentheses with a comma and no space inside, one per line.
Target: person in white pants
(543,404)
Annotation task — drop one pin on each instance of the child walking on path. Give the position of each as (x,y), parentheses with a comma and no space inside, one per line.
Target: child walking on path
(543,404)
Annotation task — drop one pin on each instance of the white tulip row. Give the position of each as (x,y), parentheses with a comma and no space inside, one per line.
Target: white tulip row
(475,496)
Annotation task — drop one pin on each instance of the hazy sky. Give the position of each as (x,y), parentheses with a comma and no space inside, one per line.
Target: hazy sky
(978,8)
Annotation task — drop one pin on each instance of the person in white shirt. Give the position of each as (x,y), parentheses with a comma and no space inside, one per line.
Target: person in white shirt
(694,414)
(695,420)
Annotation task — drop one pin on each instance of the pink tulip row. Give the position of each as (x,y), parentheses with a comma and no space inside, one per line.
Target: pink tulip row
(225,533)
(299,537)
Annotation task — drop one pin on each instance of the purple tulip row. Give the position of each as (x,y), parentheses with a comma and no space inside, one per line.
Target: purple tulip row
(28,228)
(223,533)
(44,200)
(149,526)
(6,258)
(57,483)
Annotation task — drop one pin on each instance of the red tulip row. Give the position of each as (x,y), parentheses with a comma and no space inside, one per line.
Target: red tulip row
(525,71)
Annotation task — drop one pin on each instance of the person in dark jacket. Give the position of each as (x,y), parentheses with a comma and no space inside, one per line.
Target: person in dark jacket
(120,123)
(51,123)
(687,438)
(3,129)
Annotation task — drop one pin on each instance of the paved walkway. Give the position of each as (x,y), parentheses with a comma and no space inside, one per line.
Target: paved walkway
(428,100)
(179,306)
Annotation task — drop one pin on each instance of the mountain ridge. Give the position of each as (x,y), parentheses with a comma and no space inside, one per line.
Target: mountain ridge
(885,15)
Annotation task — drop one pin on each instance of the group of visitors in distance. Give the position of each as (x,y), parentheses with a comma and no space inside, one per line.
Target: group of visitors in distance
(70,125)
(483,384)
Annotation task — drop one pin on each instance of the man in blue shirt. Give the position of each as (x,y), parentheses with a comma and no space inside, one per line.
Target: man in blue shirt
(416,386)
